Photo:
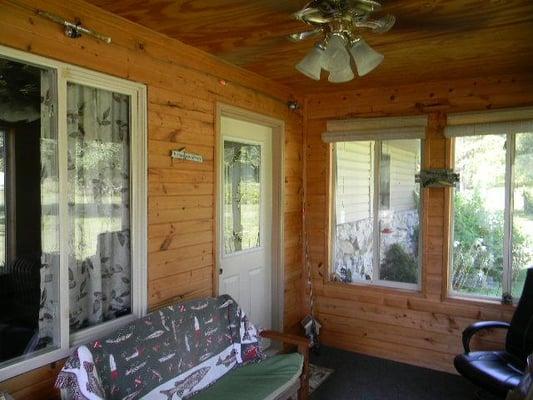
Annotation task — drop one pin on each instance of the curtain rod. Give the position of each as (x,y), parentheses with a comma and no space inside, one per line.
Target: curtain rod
(73,30)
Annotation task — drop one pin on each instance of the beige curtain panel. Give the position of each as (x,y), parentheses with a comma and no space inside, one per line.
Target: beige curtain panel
(493,122)
(364,129)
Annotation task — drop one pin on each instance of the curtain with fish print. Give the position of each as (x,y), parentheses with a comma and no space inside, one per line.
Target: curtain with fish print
(99,251)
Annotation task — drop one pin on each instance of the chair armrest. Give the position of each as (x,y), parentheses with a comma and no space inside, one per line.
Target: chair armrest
(478,326)
(303,344)
(286,338)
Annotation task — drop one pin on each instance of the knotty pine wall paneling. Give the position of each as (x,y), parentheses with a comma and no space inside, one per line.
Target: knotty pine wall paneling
(421,328)
(184,84)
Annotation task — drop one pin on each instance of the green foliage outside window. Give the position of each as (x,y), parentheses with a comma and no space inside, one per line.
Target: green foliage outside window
(478,247)
(399,266)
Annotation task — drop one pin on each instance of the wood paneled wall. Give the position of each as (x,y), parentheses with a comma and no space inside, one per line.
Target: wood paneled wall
(184,85)
(418,328)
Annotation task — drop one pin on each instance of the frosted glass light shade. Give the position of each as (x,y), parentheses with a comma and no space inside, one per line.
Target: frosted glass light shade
(336,55)
(365,57)
(344,75)
(311,65)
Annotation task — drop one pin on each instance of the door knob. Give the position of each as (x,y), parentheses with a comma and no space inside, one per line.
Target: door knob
(220,271)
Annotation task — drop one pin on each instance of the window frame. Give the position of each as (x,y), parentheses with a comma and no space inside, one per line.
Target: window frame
(5,132)
(137,92)
(376,185)
(381,197)
(510,153)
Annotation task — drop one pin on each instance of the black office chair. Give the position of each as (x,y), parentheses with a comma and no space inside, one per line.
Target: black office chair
(497,372)
(524,391)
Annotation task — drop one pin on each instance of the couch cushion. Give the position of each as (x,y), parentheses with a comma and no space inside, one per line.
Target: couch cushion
(261,381)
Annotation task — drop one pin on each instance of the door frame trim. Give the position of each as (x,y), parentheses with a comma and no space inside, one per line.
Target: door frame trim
(278,176)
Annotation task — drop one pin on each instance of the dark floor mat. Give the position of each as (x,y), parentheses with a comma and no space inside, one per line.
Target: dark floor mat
(360,377)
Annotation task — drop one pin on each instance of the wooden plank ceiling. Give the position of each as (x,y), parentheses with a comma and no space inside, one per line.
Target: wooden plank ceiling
(432,40)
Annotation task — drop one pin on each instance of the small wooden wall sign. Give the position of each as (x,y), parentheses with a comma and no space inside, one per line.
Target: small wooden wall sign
(181,154)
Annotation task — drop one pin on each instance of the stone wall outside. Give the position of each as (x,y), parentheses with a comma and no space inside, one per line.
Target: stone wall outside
(353,242)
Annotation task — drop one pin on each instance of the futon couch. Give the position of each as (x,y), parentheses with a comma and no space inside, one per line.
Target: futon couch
(203,349)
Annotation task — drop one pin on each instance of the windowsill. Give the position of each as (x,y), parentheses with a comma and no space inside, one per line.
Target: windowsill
(376,288)
(480,301)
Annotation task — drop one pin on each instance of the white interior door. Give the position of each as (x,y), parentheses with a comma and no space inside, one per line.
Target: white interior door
(245,217)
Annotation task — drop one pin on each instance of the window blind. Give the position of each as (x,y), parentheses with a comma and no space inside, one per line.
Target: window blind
(364,129)
(493,122)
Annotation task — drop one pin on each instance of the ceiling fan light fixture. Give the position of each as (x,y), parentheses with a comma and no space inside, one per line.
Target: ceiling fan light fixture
(312,64)
(365,57)
(341,23)
(342,76)
(336,55)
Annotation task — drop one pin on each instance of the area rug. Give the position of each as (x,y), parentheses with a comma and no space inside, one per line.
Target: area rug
(317,375)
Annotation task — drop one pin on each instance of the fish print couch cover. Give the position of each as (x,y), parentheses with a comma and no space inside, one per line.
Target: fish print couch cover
(170,354)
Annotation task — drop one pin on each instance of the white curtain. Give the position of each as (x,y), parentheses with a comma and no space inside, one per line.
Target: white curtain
(49,306)
(99,205)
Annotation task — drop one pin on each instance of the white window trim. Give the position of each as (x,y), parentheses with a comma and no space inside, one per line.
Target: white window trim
(375,281)
(138,167)
(507,283)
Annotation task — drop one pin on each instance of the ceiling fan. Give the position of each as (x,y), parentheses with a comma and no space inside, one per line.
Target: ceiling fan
(339,23)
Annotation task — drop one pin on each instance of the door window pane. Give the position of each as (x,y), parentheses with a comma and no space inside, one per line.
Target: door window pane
(479,205)
(98,123)
(399,211)
(354,211)
(29,241)
(522,233)
(242,196)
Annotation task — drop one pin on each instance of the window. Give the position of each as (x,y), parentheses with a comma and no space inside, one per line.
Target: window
(72,208)
(376,210)
(492,236)
(99,247)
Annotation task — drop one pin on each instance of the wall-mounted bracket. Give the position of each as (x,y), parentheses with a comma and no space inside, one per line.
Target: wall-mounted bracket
(437,178)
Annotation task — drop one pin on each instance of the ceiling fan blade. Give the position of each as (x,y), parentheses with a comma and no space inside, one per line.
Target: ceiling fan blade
(299,36)
(381,25)
(363,6)
(311,16)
